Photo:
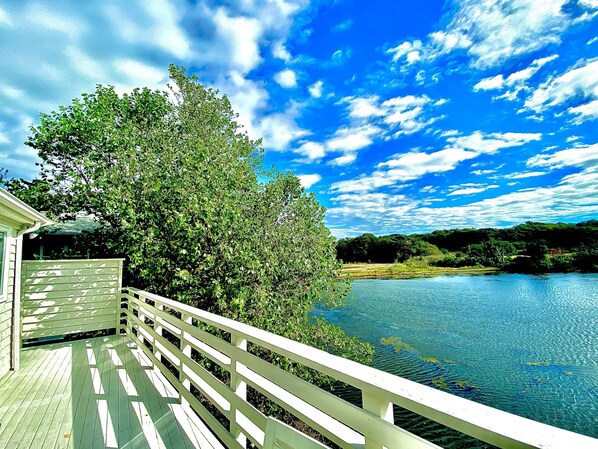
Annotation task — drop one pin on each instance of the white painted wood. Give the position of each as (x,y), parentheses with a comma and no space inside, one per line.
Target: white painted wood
(343,423)
(240,389)
(281,436)
(61,297)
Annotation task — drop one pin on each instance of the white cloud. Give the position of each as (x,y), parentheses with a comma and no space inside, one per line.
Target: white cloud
(410,49)
(515,82)
(492,142)
(572,197)
(240,36)
(588,111)
(363,107)
(350,139)
(74,45)
(471,190)
(280,51)
(491,83)
(166,31)
(524,175)
(577,84)
(581,156)
(5,18)
(11,92)
(41,16)
(279,130)
(415,164)
(407,113)
(346,159)
(312,151)
(138,73)
(492,32)
(309,180)
(286,78)
(315,90)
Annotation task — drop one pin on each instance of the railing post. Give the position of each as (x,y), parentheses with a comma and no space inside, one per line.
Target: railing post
(119,309)
(240,389)
(186,350)
(141,317)
(379,407)
(158,329)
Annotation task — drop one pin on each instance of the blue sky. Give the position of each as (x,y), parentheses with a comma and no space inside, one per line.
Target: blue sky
(400,116)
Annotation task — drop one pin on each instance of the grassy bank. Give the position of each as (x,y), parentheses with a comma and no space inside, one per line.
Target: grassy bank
(413,268)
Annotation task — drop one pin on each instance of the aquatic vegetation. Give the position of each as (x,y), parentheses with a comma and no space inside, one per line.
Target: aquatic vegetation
(449,362)
(396,343)
(431,360)
(568,373)
(440,383)
(464,385)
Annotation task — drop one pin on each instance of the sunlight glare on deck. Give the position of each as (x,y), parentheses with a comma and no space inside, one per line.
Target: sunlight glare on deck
(96,393)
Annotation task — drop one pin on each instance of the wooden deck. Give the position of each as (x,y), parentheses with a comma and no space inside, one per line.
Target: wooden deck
(96,393)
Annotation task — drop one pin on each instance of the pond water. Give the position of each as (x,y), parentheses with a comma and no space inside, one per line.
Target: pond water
(524,344)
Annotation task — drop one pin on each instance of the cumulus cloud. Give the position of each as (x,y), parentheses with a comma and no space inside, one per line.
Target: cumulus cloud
(312,151)
(130,44)
(372,119)
(309,180)
(492,32)
(315,90)
(286,78)
(579,85)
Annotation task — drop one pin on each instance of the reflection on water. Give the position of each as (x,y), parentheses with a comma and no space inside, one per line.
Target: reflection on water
(520,343)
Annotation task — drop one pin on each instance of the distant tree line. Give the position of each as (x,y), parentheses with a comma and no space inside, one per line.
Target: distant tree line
(530,247)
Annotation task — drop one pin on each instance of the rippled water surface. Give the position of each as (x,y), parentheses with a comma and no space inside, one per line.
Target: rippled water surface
(520,343)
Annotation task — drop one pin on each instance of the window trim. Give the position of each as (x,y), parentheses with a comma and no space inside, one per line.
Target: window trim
(7,234)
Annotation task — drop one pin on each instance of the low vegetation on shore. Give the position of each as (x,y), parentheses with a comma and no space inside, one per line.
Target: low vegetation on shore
(527,248)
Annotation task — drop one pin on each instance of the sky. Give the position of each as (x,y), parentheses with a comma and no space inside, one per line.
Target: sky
(400,116)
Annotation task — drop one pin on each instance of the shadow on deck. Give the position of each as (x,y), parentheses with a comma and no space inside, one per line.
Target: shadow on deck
(96,393)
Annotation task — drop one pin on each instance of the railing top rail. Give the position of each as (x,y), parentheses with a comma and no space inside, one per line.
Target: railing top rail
(481,421)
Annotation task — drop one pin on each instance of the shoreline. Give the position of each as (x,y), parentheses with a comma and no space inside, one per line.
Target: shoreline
(401,271)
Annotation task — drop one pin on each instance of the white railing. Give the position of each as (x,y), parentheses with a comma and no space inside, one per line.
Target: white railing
(347,425)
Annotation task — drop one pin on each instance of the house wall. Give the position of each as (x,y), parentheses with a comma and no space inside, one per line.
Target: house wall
(8,314)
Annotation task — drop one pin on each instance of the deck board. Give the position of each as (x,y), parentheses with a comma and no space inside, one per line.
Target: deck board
(96,393)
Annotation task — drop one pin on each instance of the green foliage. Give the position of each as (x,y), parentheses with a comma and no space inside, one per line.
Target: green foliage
(527,248)
(180,192)
(386,249)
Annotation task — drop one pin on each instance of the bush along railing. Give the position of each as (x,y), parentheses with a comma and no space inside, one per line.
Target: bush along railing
(171,334)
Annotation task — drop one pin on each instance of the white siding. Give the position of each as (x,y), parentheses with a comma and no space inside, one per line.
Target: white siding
(67,296)
(6,311)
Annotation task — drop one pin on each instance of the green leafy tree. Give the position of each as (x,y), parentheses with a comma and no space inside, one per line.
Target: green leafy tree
(180,191)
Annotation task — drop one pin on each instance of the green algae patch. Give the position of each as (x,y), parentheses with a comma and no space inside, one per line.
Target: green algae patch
(396,343)
(464,385)
(440,383)
(431,360)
